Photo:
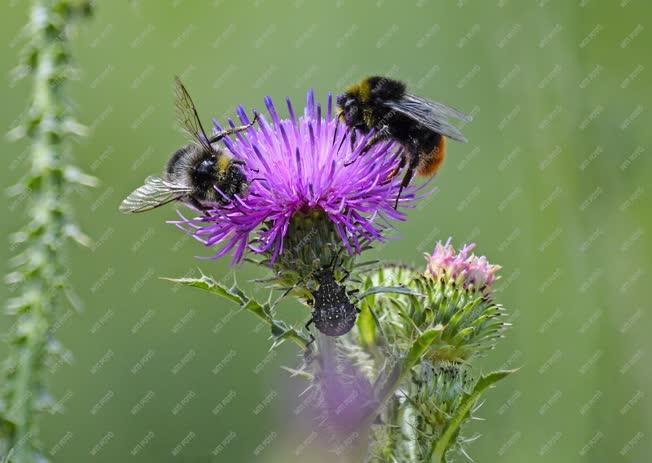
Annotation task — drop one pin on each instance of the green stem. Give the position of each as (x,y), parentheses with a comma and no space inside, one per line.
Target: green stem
(402,368)
(439,447)
(27,381)
(26,384)
(44,190)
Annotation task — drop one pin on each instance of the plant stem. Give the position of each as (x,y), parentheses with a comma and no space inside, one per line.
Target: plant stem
(40,270)
(37,319)
(441,445)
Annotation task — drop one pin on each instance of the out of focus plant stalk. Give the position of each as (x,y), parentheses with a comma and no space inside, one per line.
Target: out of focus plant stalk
(38,276)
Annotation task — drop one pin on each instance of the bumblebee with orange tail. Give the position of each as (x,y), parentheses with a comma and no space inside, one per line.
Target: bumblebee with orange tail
(419,125)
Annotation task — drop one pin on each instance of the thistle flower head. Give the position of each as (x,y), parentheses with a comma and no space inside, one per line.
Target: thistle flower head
(468,270)
(463,308)
(303,167)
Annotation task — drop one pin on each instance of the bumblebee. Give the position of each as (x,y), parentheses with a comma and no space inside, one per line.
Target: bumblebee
(419,125)
(198,174)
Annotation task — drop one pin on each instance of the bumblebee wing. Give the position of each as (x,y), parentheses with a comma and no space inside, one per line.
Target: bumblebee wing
(188,117)
(154,193)
(431,114)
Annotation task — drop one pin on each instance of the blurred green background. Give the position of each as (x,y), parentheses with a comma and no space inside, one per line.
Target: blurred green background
(554,185)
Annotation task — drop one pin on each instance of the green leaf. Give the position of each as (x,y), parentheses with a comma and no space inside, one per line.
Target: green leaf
(256,308)
(367,326)
(279,329)
(381,275)
(462,335)
(419,347)
(384,389)
(365,264)
(208,284)
(388,290)
(441,446)
(461,314)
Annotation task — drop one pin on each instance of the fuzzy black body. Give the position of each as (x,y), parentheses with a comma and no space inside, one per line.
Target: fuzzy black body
(333,313)
(398,126)
(417,124)
(421,144)
(205,172)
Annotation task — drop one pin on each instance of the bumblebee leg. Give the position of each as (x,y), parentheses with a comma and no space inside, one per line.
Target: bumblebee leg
(335,132)
(240,162)
(195,203)
(353,138)
(375,138)
(233,130)
(398,168)
(414,161)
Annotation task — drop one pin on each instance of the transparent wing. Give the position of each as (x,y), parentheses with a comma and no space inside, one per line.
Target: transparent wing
(188,117)
(431,114)
(154,193)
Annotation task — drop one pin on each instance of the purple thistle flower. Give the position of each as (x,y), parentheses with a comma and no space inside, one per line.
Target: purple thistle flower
(303,165)
(461,267)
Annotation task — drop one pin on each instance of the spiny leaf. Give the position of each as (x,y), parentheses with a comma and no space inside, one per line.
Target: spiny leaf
(462,335)
(461,314)
(420,346)
(384,388)
(208,284)
(367,326)
(388,290)
(300,373)
(280,330)
(255,308)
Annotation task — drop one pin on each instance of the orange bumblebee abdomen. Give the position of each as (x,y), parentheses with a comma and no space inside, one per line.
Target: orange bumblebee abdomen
(431,162)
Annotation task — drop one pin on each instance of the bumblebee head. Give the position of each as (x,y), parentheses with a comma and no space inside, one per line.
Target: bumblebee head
(365,95)
(231,178)
(350,106)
